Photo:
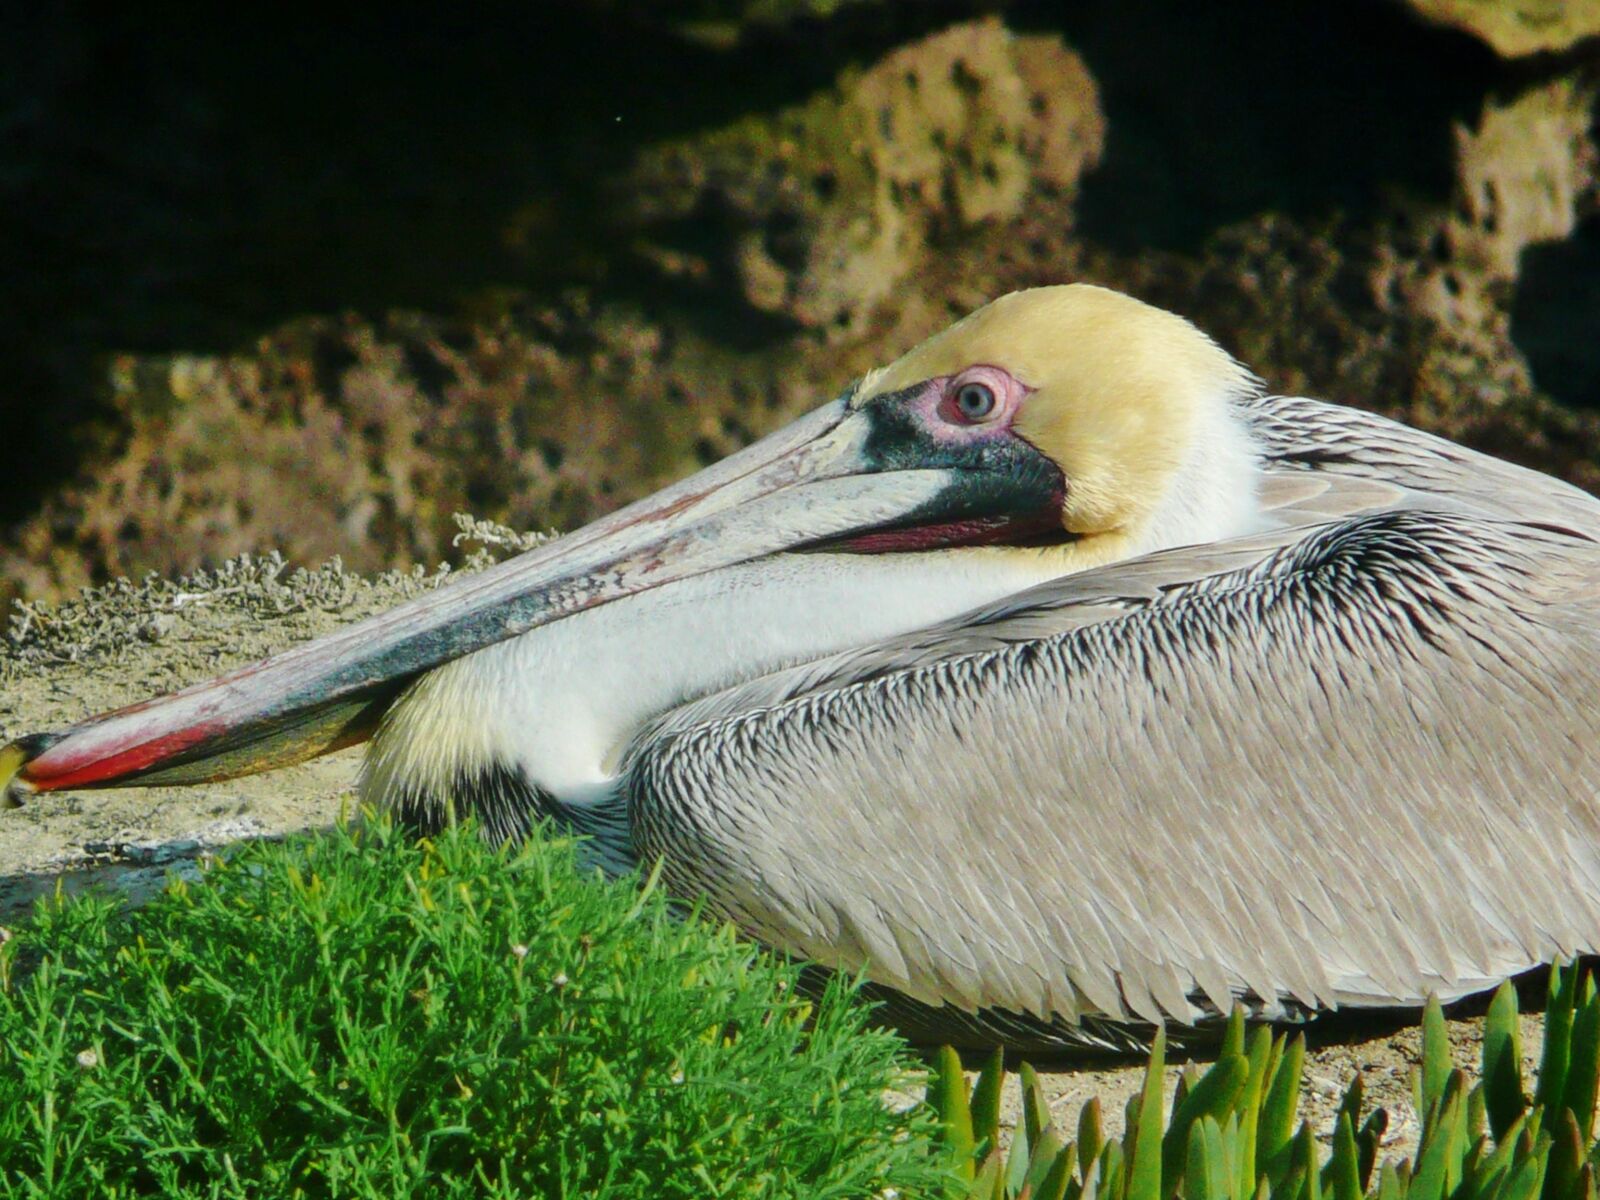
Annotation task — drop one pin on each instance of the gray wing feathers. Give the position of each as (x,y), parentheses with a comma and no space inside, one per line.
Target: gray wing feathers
(1349,766)
(1333,442)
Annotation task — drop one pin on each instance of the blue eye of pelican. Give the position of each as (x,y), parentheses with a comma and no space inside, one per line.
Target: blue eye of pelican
(975,401)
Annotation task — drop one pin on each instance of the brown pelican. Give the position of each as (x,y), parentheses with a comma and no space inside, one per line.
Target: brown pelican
(1055,674)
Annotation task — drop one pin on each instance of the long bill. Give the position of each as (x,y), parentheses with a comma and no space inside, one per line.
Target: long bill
(813,481)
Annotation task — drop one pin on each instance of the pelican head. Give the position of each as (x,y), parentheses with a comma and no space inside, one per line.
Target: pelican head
(1051,430)
(1131,403)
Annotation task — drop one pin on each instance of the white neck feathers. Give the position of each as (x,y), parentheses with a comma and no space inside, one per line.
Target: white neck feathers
(1213,494)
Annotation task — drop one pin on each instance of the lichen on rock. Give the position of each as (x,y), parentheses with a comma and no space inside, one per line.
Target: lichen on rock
(1518,27)
(821,210)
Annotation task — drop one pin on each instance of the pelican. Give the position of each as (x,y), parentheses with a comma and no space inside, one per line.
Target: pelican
(1056,676)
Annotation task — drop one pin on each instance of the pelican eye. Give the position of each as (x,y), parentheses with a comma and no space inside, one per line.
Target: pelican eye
(975,401)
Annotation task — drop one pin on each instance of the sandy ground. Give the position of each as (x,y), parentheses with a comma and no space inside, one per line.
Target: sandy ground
(130,641)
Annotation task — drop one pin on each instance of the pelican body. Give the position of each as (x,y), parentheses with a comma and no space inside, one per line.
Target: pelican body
(1055,676)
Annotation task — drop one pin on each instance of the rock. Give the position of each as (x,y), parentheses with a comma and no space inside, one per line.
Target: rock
(819,211)
(1522,175)
(360,439)
(1517,27)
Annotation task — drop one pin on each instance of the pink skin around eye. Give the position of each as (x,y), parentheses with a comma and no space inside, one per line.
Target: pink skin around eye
(937,411)
(944,417)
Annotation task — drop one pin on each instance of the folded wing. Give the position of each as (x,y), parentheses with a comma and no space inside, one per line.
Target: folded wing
(1349,765)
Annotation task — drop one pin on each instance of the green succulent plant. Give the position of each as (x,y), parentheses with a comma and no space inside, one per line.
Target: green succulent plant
(1231,1134)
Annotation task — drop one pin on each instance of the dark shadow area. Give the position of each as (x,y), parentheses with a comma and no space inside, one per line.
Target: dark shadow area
(1555,315)
(1219,111)
(182,178)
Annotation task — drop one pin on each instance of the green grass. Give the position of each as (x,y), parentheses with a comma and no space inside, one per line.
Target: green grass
(360,1015)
